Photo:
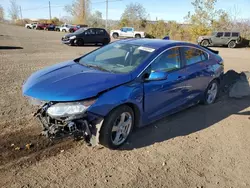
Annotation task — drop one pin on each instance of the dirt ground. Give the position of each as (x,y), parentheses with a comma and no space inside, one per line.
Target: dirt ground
(205,146)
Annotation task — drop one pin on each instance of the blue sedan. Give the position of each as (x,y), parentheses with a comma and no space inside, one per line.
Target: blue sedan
(104,94)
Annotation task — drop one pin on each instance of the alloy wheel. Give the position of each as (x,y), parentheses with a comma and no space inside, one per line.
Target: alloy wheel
(212,93)
(121,128)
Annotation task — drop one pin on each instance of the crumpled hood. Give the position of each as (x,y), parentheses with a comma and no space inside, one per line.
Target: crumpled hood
(70,81)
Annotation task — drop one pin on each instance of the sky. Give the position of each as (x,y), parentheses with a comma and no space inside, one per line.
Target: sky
(157,9)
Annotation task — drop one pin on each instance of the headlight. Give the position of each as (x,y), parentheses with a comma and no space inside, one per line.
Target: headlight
(72,37)
(69,109)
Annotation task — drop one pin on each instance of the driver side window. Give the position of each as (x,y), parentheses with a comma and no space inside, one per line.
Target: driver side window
(168,61)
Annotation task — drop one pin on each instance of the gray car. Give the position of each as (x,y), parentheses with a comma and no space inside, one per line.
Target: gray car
(230,39)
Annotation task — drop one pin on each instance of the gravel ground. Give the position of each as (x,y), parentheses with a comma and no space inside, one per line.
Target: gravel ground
(204,146)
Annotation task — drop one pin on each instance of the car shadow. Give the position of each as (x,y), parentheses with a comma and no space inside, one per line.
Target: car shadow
(10,47)
(189,121)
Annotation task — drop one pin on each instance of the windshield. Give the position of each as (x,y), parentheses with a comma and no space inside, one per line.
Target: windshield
(117,57)
(80,30)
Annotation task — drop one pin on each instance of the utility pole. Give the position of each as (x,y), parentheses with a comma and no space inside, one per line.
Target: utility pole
(106,23)
(21,15)
(49,11)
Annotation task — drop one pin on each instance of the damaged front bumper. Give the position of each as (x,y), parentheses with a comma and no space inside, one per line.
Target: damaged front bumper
(83,126)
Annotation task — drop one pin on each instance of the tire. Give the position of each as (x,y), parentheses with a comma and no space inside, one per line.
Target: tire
(205,43)
(57,29)
(115,35)
(29,27)
(232,44)
(78,42)
(72,43)
(137,36)
(109,133)
(64,30)
(105,42)
(210,91)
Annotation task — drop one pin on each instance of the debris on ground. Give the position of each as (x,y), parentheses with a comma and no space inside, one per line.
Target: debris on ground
(241,88)
(237,85)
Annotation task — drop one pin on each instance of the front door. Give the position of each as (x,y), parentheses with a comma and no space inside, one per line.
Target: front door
(163,96)
(218,39)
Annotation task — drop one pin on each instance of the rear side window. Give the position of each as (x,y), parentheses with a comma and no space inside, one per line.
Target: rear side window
(168,61)
(90,32)
(100,32)
(227,34)
(235,34)
(193,55)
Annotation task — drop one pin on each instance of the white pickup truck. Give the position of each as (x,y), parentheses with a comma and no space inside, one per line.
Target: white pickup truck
(127,32)
(31,25)
(64,28)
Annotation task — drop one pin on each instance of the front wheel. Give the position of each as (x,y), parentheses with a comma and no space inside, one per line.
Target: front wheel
(117,127)
(211,93)
(79,42)
(205,43)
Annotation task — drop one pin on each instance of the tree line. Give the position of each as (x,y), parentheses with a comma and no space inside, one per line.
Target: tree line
(205,19)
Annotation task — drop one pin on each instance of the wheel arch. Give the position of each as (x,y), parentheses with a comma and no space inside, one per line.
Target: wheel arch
(231,41)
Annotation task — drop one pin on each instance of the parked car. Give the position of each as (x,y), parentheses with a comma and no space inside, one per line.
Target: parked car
(50,27)
(31,25)
(104,94)
(230,39)
(73,29)
(64,28)
(41,26)
(87,36)
(127,32)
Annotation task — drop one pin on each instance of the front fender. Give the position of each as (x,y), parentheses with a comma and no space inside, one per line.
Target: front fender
(128,93)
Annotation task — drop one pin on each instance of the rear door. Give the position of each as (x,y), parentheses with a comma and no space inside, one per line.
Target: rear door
(100,35)
(226,38)
(163,96)
(90,36)
(198,69)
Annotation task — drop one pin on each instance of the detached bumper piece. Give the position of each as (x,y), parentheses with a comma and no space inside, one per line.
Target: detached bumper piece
(86,126)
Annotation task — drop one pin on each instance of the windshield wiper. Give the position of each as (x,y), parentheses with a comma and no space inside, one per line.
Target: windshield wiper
(95,67)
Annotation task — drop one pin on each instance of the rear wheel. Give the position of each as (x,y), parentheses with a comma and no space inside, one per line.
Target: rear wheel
(64,30)
(29,27)
(117,127)
(232,44)
(205,43)
(105,41)
(211,93)
(115,35)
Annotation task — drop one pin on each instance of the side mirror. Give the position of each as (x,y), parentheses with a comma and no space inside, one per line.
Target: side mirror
(158,75)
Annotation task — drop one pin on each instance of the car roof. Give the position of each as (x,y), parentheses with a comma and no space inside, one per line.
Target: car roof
(154,43)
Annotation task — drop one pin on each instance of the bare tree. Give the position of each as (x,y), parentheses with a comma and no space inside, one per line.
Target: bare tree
(135,15)
(79,10)
(1,13)
(14,10)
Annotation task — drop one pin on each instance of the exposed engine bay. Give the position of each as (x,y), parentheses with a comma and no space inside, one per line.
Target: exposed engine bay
(82,126)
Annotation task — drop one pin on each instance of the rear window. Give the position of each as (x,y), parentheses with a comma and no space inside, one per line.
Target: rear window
(227,34)
(235,34)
